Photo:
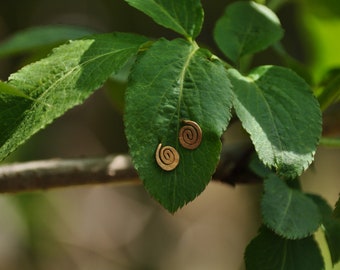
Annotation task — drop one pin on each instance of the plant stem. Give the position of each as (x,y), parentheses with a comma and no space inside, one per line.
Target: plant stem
(262,2)
(330,93)
(331,142)
(116,169)
(62,173)
(275,5)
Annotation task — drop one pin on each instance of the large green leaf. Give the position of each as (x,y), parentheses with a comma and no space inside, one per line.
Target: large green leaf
(59,82)
(246,27)
(171,82)
(182,16)
(283,118)
(269,251)
(40,36)
(331,228)
(288,212)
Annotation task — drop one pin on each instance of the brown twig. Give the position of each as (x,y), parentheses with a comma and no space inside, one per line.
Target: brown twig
(118,169)
(53,173)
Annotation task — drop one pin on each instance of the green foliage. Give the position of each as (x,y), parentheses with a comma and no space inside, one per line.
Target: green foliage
(288,212)
(61,81)
(269,251)
(6,89)
(182,16)
(245,28)
(272,103)
(337,210)
(174,81)
(258,168)
(331,228)
(328,92)
(41,36)
(184,83)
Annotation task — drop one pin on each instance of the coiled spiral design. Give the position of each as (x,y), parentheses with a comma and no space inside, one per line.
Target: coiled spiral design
(167,157)
(190,135)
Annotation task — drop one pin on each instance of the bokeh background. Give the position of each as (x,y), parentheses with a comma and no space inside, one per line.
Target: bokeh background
(120,227)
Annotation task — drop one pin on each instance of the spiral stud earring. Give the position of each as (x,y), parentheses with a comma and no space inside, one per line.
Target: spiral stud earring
(190,135)
(167,157)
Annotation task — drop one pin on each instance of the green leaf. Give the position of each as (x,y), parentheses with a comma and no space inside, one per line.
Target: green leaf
(269,251)
(283,118)
(257,167)
(337,209)
(245,28)
(60,82)
(41,36)
(171,82)
(7,89)
(329,91)
(182,16)
(331,228)
(288,212)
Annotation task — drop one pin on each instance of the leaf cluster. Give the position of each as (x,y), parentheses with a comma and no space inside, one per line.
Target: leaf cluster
(173,81)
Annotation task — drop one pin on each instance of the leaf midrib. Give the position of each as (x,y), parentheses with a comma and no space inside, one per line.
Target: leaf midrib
(194,49)
(169,16)
(75,71)
(289,201)
(285,253)
(245,36)
(271,117)
(72,72)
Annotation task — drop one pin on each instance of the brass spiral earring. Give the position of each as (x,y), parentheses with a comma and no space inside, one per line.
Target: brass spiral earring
(167,157)
(190,135)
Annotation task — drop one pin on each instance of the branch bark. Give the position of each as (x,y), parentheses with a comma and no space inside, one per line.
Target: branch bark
(53,173)
(118,169)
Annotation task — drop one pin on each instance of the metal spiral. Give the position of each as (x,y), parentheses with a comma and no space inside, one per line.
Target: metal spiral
(190,135)
(167,157)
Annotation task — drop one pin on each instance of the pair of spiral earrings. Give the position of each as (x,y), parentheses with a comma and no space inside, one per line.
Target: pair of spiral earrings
(190,137)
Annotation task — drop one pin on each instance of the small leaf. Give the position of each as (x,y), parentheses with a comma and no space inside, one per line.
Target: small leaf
(329,91)
(331,228)
(257,167)
(269,251)
(60,82)
(283,118)
(246,27)
(182,16)
(171,82)
(288,212)
(7,89)
(41,36)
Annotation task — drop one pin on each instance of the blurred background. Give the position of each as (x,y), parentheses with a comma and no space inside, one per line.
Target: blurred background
(120,227)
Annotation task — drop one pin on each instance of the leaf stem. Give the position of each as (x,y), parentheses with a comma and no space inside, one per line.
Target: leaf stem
(262,2)
(330,93)
(275,5)
(331,142)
